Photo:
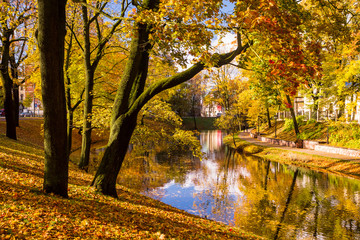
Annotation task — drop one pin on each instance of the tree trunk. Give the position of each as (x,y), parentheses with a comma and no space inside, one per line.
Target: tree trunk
(70,122)
(106,175)
(193,112)
(15,75)
(315,107)
(16,104)
(88,101)
(51,34)
(87,126)
(7,85)
(268,117)
(293,116)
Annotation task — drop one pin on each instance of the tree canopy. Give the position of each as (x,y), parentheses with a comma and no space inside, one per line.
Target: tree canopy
(114,57)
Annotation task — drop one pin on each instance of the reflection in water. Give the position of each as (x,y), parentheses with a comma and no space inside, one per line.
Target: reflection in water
(267,198)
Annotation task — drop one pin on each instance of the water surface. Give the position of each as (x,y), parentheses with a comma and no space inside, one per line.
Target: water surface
(267,198)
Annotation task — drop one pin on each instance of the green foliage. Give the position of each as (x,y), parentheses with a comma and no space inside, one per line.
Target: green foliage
(345,135)
(289,123)
(159,128)
(27,101)
(186,141)
(312,131)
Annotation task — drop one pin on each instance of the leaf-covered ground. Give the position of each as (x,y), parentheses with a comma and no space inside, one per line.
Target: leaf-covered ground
(27,213)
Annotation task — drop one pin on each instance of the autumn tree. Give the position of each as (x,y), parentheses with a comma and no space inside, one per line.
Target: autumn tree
(50,38)
(14,16)
(92,57)
(155,21)
(335,26)
(287,58)
(224,84)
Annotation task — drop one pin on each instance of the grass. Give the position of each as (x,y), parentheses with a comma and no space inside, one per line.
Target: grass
(311,131)
(28,213)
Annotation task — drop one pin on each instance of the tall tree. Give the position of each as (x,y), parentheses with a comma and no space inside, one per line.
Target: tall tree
(91,63)
(132,95)
(50,37)
(13,17)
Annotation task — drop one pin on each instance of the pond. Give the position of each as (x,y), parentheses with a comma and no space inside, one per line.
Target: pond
(273,200)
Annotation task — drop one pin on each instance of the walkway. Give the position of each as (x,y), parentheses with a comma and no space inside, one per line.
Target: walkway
(246,136)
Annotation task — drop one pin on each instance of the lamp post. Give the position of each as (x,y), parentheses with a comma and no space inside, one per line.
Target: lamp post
(258,125)
(275,118)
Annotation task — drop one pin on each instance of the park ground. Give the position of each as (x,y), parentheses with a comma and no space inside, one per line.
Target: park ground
(28,213)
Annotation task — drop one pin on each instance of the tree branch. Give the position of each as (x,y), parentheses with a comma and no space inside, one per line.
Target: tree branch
(150,92)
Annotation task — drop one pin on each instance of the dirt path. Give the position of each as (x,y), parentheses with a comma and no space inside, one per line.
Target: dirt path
(246,136)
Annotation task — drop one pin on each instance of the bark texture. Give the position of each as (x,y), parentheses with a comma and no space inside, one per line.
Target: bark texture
(7,82)
(51,34)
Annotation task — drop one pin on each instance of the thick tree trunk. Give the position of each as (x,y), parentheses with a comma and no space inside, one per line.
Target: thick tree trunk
(9,107)
(106,175)
(7,85)
(51,34)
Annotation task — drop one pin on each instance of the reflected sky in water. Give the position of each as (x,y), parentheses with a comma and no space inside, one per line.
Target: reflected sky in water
(270,199)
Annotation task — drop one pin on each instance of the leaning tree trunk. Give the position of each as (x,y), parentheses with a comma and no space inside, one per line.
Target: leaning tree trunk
(268,117)
(123,122)
(7,86)
(51,35)
(293,116)
(106,175)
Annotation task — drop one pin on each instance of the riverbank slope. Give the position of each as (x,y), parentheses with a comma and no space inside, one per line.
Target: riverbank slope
(298,157)
(27,213)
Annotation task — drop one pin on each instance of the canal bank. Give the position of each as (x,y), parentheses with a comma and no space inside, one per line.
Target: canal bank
(318,160)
